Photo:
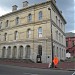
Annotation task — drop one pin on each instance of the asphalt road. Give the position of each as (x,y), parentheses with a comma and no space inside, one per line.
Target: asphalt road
(15,70)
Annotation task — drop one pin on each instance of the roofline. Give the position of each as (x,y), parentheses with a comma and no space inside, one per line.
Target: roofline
(70,37)
(34,6)
(22,9)
(58,11)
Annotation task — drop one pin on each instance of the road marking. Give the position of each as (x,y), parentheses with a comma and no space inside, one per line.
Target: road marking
(73,73)
(30,74)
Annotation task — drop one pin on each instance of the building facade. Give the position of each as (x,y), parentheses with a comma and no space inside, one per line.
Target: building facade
(26,33)
(70,43)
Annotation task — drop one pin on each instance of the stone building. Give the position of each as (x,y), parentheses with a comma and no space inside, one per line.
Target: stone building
(26,33)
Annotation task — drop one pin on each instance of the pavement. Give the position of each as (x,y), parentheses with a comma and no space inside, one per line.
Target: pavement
(70,66)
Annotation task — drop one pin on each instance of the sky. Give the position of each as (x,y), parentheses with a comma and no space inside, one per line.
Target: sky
(67,7)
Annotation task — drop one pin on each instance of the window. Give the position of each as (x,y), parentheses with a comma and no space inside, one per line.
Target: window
(0,25)
(61,26)
(40,15)
(16,35)
(62,53)
(28,52)
(59,37)
(17,20)
(59,23)
(66,43)
(39,32)
(5,36)
(72,43)
(28,33)
(56,19)
(7,23)
(56,35)
(39,50)
(62,38)
(29,18)
(57,52)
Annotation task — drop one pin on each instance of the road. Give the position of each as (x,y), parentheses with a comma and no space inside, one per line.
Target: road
(16,70)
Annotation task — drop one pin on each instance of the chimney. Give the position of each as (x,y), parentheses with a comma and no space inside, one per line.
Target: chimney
(54,1)
(14,7)
(25,3)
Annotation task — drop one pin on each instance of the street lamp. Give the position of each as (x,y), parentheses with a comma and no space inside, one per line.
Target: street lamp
(52,64)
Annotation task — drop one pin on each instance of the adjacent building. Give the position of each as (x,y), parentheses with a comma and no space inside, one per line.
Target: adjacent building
(26,33)
(70,43)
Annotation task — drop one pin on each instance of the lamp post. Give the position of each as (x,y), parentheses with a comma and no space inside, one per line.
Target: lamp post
(52,64)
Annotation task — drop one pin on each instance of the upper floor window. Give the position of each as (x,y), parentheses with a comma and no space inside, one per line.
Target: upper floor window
(17,20)
(40,15)
(57,35)
(40,32)
(5,36)
(0,25)
(72,43)
(16,35)
(56,19)
(28,33)
(66,43)
(61,26)
(29,17)
(7,23)
(62,38)
(59,23)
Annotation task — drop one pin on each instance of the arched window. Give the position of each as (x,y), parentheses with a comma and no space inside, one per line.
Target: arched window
(56,20)
(21,52)
(59,23)
(17,20)
(16,35)
(56,35)
(59,37)
(62,38)
(40,15)
(28,52)
(29,17)
(14,52)
(8,52)
(5,37)
(40,50)
(7,23)
(28,33)
(40,32)
(3,52)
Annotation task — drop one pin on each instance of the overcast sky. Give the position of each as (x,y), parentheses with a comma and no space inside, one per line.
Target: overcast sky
(67,7)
